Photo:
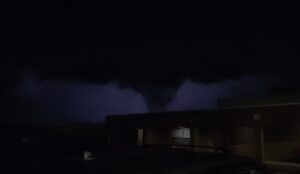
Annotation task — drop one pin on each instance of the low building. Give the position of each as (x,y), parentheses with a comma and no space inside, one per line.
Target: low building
(269,131)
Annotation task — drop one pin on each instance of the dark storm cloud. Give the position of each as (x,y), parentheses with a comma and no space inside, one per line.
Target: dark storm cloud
(57,101)
(156,54)
(193,95)
(153,64)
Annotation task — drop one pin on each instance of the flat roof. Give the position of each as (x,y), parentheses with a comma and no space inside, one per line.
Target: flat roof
(244,109)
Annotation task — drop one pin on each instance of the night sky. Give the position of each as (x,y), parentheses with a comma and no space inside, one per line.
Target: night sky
(73,61)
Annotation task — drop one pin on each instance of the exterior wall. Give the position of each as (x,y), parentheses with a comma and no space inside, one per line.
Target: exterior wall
(245,141)
(203,140)
(244,135)
(201,137)
(217,137)
(246,150)
(123,137)
(280,151)
(158,136)
(239,140)
(281,140)
(212,137)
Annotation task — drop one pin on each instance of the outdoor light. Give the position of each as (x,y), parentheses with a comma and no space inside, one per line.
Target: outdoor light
(87,155)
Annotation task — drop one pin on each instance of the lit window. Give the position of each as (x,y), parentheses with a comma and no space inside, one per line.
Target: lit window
(181,135)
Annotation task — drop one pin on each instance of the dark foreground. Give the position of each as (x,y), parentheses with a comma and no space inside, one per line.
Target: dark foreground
(137,161)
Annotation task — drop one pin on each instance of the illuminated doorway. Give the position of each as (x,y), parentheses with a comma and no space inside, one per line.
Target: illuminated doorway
(140,137)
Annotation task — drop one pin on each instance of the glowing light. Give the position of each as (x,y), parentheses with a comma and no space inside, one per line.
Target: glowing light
(87,155)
